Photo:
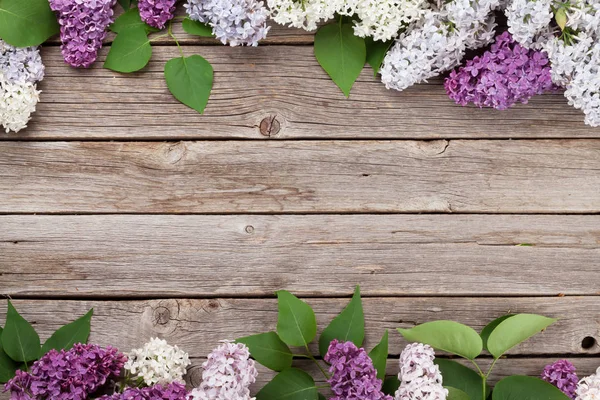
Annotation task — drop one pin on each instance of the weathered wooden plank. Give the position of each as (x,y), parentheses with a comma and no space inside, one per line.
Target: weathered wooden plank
(198,325)
(525,176)
(255,255)
(284,83)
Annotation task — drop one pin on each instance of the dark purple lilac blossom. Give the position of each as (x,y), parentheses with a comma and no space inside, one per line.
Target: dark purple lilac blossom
(83,26)
(506,74)
(172,391)
(68,375)
(562,375)
(157,13)
(353,376)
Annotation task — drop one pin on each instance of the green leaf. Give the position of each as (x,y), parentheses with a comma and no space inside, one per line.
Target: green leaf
(448,336)
(341,54)
(515,330)
(379,356)
(460,377)
(376,51)
(125,4)
(7,367)
(130,51)
(456,394)
(390,385)
(489,328)
(190,80)
(77,331)
(19,340)
(197,28)
(269,350)
(129,19)
(349,325)
(296,322)
(526,388)
(561,18)
(289,384)
(322,397)
(26,23)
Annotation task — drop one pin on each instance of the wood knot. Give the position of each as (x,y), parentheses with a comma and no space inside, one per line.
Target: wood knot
(161,316)
(270,126)
(249,229)
(213,304)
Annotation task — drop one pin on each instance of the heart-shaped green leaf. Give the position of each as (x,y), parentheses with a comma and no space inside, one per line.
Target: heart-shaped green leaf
(289,384)
(489,328)
(390,385)
(376,51)
(514,330)
(269,350)
(130,51)
(296,322)
(379,356)
(77,331)
(341,54)
(196,28)
(19,340)
(460,377)
(349,325)
(25,23)
(456,394)
(130,18)
(447,336)
(190,80)
(526,388)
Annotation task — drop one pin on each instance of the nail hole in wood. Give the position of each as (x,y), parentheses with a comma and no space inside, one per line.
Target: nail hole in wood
(588,342)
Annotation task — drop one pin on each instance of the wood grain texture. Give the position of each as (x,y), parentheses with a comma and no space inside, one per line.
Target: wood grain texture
(198,325)
(280,83)
(321,255)
(525,176)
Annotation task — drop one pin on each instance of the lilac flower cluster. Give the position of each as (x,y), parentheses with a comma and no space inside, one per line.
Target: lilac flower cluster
(562,375)
(172,391)
(419,377)
(67,375)
(21,64)
(157,13)
(507,74)
(237,22)
(353,375)
(83,26)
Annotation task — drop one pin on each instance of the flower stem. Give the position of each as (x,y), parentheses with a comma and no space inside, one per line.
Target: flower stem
(309,355)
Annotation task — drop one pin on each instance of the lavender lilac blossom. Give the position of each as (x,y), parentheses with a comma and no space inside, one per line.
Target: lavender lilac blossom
(21,64)
(83,26)
(172,391)
(503,76)
(562,375)
(420,378)
(67,375)
(353,376)
(157,13)
(237,22)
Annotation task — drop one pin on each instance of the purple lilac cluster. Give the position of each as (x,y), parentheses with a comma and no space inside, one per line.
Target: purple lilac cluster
(353,375)
(506,74)
(172,391)
(157,13)
(562,375)
(68,375)
(83,26)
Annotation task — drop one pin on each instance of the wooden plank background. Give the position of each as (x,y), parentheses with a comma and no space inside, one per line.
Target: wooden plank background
(179,225)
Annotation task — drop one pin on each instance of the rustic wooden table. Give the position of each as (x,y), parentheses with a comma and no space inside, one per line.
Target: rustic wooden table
(182,225)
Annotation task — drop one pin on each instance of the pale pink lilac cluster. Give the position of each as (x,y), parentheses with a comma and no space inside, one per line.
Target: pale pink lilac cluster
(20,71)
(353,376)
(589,388)
(83,26)
(227,375)
(157,13)
(420,378)
(171,391)
(68,375)
(507,74)
(234,22)
(562,375)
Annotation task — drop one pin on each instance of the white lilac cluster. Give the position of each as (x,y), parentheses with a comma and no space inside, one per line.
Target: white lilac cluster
(420,378)
(20,71)
(227,374)
(383,19)
(589,388)
(234,22)
(527,19)
(437,42)
(158,363)
(306,14)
